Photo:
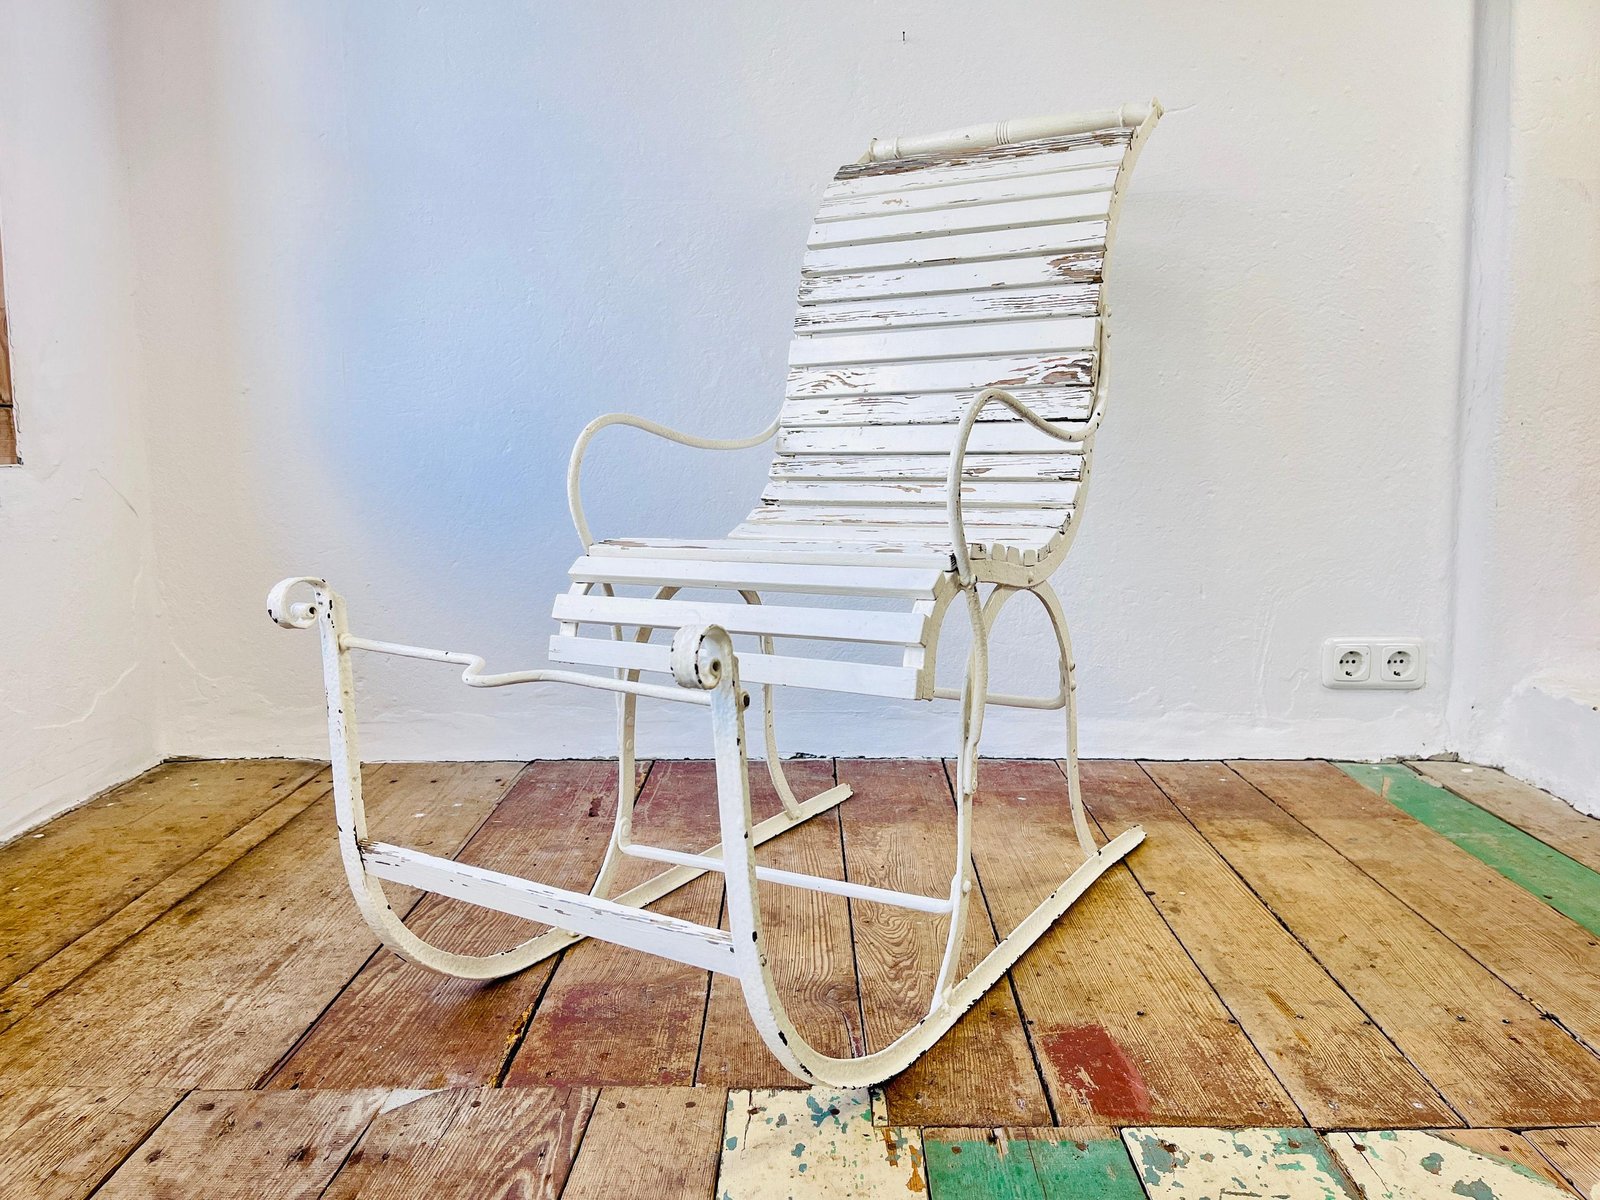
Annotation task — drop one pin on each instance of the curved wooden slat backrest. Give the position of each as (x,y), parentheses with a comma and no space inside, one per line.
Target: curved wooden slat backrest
(927,279)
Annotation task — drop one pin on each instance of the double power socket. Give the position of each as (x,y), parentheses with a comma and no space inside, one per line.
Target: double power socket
(1395,663)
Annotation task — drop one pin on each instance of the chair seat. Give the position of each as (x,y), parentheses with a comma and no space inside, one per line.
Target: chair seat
(884,600)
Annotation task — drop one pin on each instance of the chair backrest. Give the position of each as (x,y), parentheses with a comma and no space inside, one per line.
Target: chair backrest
(951,265)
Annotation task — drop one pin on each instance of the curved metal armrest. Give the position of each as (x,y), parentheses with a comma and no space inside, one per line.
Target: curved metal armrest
(575,464)
(1064,431)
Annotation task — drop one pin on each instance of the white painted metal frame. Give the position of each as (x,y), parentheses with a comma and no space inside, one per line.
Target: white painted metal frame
(706,672)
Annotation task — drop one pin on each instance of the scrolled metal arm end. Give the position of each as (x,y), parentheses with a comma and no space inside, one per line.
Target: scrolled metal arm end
(294,614)
(702,656)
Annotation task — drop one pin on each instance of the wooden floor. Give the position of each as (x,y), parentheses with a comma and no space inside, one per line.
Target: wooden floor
(1308,978)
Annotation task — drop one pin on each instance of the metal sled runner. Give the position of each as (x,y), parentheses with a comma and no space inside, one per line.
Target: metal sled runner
(946,381)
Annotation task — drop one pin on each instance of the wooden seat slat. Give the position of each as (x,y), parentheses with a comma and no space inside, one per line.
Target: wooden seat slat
(1051,300)
(1065,182)
(1013,337)
(917,495)
(824,674)
(905,228)
(1083,264)
(1029,240)
(831,624)
(933,468)
(1037,158)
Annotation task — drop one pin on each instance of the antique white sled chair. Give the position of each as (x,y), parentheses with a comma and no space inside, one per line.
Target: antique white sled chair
(946,380)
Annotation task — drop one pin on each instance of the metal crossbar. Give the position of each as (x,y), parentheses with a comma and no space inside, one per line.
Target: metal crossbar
(811,883)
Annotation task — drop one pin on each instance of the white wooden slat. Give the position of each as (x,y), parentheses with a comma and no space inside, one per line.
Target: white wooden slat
(929,467)
(1032,493)
(868,679)
(914,583)
(966,218)
(944,408)
(989,437)
(814,551)
(944,375)
(1021,336)
(793,513)
(820,1144)
(1196,1164)
(1080,265)
(1056,238)
(948,195)
(978,536)
(1052,300)
(832,624)
(999,163)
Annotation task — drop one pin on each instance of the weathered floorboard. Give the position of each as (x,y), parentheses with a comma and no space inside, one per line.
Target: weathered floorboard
(899,832)
(1573,1152)
(402,1025)
(1489,1053)
(1211,1164)
(66,877)
(244,1146)
(1028,1164)
(59,1143)
(1338,1067)
(654,1143)
(617,1016)
(1551,961)
(1504,1144)
(483,1143)
(1565,885)
(1409,1164)
(819,1144)
(1128,1031)
(24,995)
(808,944)
(1552,821)
(215,991)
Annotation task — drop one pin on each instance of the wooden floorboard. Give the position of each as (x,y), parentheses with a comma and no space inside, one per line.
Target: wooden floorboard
(85,865)
(808,947)
(228,1145)
(899,832)
(1550,960)
(612,1016)
(482,1143)
(215,991)
(60,1143)
(401,1025)
(1338,1067)
(1554,822)
(1573,1152)
(1489,1052)
(1564,884)
(1282,950)
(25,994)
(653,1143)
(1127,1029)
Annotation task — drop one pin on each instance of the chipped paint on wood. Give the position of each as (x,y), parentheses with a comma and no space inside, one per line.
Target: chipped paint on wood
(1413,1165)
(815,1144)
(1566,885)
(1024,1164)
(1213,1164)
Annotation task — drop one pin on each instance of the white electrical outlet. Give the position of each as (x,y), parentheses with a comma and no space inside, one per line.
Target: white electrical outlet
(1395,663)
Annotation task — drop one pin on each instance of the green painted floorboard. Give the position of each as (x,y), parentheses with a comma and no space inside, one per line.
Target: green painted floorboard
(1565,884)
(1026,1166)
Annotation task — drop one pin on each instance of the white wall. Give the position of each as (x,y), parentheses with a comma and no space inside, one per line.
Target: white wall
(1528,694)
(80,678)
(392,258)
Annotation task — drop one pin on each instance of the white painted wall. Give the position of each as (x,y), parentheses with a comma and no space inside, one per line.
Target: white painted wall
(392,258)
(1528,694)
(79,678)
